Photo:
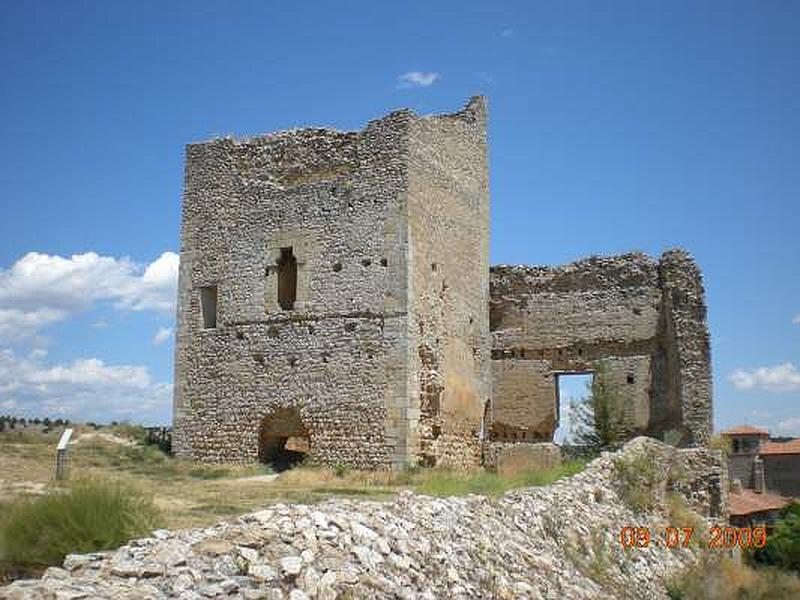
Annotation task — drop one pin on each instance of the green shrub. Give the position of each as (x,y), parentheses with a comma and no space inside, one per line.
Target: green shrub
(87,516)
(783,543)
(602,419)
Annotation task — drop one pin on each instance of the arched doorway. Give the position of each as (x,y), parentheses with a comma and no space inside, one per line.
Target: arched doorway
(283,441)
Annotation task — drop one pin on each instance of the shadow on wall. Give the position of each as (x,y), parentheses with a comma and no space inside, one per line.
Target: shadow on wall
(283,441)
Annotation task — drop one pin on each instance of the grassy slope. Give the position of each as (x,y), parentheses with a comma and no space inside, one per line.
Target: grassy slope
(195,494)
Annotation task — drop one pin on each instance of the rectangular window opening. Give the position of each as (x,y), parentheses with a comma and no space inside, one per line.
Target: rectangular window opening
(287,279)
(574,391)
(208,306)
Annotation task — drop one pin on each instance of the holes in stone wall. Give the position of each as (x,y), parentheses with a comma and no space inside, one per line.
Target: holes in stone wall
(384,262)
(272,331)
(631,378)
(287,279)
(337,267)
(434,266)
(366,262)
(350,327)
(239,335)
(208,306)
(259,358)
(436,431)
(293,361)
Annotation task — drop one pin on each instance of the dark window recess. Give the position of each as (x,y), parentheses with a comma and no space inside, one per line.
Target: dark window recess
(366,262)
(631,378)
(384,262)
(208,306)
(287,279)
(337,267)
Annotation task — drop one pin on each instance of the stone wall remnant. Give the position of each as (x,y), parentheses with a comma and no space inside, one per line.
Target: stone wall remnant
(343,277)
(643,320)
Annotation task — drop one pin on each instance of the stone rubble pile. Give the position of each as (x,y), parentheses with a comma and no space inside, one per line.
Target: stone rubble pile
(560,541)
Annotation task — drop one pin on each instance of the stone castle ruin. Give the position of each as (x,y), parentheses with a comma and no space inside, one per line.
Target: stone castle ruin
(335,298)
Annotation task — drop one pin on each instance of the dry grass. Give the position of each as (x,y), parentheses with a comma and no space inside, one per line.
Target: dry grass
(715,578)
(196,494)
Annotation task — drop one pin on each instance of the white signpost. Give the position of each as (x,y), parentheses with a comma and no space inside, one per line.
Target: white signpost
(61,454)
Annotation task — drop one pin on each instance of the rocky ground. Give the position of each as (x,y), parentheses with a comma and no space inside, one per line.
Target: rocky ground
(560,541)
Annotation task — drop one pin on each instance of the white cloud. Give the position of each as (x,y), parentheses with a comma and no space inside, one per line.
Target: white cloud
(508,32)
(17,323)
(796,319)
(790,426)
(40,289)
(416,79)
(162,335)
(85,389)
(780,378)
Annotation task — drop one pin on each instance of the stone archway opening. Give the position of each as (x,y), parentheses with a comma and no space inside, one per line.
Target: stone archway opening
(283,440)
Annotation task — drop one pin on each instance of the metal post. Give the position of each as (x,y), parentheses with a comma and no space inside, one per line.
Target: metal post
(61,454)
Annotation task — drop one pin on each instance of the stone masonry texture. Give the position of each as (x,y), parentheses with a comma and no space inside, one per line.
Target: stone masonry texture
(643,320)
(335,287)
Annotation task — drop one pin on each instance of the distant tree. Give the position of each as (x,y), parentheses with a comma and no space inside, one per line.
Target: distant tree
(37,421)
(600,420)
(783,544)
(22,421)
(2,425)
(46,422)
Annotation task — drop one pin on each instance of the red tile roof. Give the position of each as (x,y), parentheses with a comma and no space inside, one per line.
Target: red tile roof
(748,502)
(790,447)
(744,430)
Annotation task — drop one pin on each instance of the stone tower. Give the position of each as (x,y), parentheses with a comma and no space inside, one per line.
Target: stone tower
(334,294)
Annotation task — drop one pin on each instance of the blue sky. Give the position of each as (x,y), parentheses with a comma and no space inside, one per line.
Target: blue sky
(614,126)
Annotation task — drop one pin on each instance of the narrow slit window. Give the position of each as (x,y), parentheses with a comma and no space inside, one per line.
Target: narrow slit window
(208,306)
(287,279)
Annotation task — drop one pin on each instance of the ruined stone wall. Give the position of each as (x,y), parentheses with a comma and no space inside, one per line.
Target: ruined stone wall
(639,321)
(388,231)
(448,203)
(688,339)
(339,356)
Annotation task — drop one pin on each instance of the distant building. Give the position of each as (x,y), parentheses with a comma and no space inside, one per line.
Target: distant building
(748,508)
(765,475)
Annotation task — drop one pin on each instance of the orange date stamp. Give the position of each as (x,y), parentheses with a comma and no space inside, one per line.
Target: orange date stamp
(681,537)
